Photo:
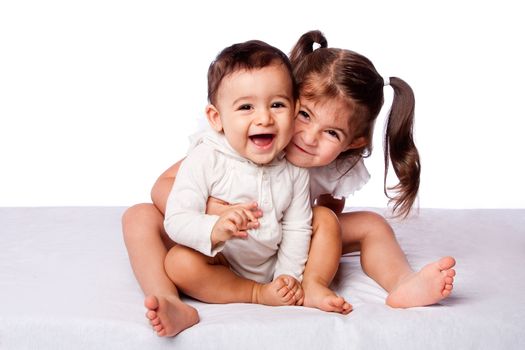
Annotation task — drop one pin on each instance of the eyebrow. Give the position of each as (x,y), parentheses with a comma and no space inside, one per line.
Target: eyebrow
(249,97)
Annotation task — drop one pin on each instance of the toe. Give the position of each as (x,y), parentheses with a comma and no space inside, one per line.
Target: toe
(150,314)
(151,302)
(346,308)
(446,263)
(155,321)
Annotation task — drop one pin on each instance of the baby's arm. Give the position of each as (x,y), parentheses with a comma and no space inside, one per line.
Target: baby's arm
(296,228)
(185,219)
(162,187)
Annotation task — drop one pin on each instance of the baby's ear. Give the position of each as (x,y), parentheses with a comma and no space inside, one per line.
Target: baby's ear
(214,117)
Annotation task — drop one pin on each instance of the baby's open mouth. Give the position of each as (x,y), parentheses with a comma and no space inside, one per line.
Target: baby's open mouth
(262,140)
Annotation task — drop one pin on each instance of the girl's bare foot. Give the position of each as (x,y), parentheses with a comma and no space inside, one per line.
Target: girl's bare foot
(169,315)
(426,287)
(283,290)
(318,296)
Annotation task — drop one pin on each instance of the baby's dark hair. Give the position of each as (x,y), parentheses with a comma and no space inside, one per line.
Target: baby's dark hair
(253,54)
(337,73)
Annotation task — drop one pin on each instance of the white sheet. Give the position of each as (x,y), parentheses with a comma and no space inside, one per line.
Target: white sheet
(65,283)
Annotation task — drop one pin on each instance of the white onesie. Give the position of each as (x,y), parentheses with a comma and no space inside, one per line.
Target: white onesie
(212,168)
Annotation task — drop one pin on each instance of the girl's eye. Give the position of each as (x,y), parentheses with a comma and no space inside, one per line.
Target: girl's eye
(332,133)
(278,105)
(304,115)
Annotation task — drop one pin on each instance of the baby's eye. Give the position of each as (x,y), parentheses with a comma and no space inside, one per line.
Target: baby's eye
(333,133)
(278,105)
(304,115)
(245,107)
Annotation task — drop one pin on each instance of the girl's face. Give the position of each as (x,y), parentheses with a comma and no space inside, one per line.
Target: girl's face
(321,133)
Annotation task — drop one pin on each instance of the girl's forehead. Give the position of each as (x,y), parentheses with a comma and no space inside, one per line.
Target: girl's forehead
(330,111)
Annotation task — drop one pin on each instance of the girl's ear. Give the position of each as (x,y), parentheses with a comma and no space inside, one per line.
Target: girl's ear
(357,143)
(214,117)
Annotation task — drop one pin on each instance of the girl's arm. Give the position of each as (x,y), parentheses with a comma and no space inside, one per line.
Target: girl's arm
(335,204)
(162,187)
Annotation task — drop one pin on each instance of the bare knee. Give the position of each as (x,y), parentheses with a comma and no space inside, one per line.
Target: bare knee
(357,226)
(181,263)
(324,220)
(377,224)
(140,218)
(138,212)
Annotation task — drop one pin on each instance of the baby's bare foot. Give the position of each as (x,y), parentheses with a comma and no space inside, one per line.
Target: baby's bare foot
(284,290)
(426,287)
(318,296)
(169,315)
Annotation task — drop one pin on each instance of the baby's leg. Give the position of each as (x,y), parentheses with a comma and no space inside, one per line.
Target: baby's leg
(322,264)
(146,243)
(383,260)
(210,280)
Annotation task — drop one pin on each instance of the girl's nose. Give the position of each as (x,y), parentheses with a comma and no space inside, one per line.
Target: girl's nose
(309,137)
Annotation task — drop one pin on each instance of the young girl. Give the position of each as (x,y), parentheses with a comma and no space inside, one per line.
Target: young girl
(239,255)
(341,95)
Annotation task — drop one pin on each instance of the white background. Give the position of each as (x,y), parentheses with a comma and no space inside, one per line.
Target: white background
(97,98)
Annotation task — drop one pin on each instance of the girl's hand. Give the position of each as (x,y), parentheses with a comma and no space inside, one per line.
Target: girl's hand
(216,206)
(235,221)
(335,204)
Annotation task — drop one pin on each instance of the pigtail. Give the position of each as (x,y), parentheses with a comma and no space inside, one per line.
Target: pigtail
(400,148)
(305,45)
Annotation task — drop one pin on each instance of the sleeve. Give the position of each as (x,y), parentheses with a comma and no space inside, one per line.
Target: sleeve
(353,181)
(185,219)
(296,228)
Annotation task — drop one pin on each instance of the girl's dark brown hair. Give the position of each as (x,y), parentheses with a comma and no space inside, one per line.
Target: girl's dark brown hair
(327,73)
(253,54)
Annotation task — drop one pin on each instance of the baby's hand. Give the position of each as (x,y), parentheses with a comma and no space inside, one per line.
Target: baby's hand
(234,222)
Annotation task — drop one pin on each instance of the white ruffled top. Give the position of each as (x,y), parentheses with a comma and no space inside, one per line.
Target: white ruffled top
(332,179)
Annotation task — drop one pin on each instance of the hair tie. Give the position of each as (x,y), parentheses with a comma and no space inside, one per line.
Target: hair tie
(386,81)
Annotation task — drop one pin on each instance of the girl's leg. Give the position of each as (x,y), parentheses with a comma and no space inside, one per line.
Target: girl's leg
(383,260)
(210,280)
(147,242)
(322,264)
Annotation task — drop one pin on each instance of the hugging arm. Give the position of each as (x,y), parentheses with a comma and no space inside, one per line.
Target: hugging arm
(162,187)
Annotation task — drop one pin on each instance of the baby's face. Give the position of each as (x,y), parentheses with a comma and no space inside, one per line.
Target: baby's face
(321,133)
(256,110)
